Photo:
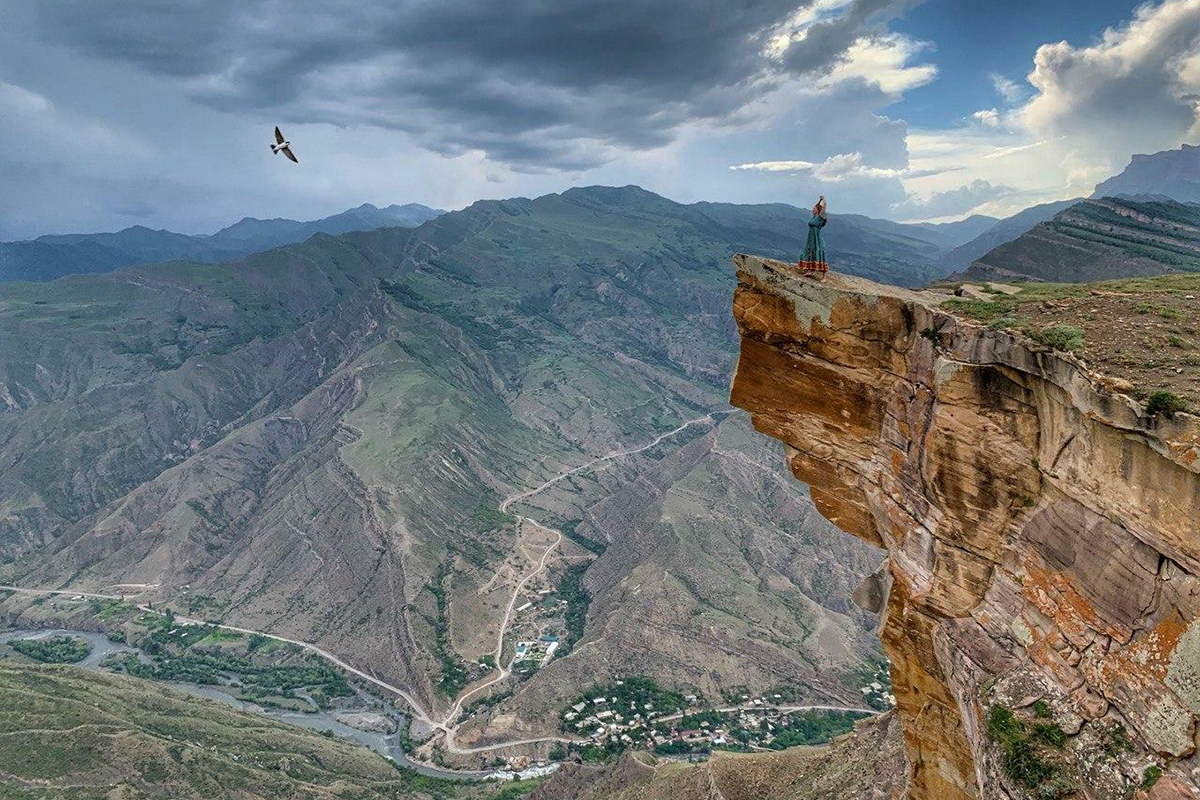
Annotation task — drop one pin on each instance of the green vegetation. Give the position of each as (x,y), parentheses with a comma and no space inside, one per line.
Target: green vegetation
(1165,403)
(1023,753)
(569,529)
(1061,337)
(933,335)
(814,727)
(982,310)
(166,744)
(570,588)
(1115,740)
(486,702)
(56,650)
(635,691)
(515,789)
(113,611)
(454,673)
(1150,777)
(193,653)
(789,730)
(257,682)
(485,518)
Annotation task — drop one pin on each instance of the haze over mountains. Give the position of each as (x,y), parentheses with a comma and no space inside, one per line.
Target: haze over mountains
(317,438)
(53,256)
(1170,173)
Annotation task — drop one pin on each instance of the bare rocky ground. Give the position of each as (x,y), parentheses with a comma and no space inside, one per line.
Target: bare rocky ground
(1144,331)
(1040,517)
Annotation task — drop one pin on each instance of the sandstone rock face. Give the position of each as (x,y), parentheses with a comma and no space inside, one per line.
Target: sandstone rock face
(1043,535)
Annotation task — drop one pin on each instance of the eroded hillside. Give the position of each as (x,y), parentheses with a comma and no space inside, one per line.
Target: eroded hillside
(1041,528)
(317,442)
(1100,239)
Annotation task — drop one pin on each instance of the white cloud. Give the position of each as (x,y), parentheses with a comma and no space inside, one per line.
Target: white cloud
(1009,90)
(885,62)
(1136,90)
(988,118)
(835,169)
(951,203)
(1085,111)
(29,116)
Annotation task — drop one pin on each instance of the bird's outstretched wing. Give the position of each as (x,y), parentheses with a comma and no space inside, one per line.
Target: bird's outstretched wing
(279,136)
(287,151)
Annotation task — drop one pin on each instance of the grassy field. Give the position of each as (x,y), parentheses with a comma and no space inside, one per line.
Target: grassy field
(65,733)
(1143,330)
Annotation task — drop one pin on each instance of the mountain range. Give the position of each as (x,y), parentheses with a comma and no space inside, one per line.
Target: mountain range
(412,442)
(330,441)
(48,257)
(1100,239)
(1170,173)
(1001,232)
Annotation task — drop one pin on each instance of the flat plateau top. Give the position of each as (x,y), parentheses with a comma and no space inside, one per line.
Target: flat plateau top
(1145,331)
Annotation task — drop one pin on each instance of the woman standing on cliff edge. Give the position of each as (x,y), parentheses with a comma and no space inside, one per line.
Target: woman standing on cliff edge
(813,262)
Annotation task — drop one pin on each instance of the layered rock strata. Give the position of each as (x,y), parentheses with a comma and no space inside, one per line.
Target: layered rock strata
(1042,534)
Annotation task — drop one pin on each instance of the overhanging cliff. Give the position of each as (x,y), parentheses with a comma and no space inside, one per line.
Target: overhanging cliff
(1042,534)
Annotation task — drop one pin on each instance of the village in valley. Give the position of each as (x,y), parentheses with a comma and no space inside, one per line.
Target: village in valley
(634,713)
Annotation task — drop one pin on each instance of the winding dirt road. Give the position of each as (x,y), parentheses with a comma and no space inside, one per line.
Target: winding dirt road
(445,725)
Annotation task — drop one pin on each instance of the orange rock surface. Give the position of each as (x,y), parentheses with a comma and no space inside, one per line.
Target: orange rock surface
(1042,533)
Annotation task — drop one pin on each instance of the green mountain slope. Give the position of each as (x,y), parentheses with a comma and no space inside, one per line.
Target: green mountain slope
(1001,232)
(1101,239)
(316,439)
(65,733)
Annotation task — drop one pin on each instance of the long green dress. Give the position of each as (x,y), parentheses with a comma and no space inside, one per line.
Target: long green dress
(814,248)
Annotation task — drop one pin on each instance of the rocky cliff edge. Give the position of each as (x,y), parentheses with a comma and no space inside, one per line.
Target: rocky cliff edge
(1042,534)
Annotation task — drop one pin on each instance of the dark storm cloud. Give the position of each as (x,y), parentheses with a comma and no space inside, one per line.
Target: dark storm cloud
(825,42)
(547,83)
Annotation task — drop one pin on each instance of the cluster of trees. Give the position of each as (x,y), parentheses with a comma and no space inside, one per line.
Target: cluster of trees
(454,673)
(258,681)
(570,588)
(814,727)
(55,650)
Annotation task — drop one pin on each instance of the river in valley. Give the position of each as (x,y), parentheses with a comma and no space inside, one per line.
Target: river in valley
(386,744)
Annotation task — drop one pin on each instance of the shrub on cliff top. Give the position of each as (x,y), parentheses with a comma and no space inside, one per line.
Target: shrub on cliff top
(1165,403)
(1060,337)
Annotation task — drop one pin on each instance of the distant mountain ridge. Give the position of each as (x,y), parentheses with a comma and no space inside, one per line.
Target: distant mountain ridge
(1001,232)
(878,248)
(1100,239)
(1171,173)
(48,257)
(962,231)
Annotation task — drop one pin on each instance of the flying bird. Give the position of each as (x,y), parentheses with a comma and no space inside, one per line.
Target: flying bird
(282,145)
